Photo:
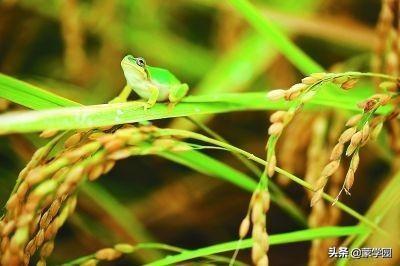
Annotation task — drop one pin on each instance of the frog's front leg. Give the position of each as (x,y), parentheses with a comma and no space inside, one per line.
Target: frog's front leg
(177,93)
(123,96)
(154,92)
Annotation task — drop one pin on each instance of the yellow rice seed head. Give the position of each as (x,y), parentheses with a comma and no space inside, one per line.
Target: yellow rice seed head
(5,242)
(347,134)
(264,241)
(356,138)
(64,189)
(349,179)
(386,99)
(96,135)
(48,133)
(350,149)
(91,262)
(106,138)
(276,94)
(320,183)
(148,129)
(8,228)
(180,146)
(244,227)
(107,254)
(383,98)
(35,176)
(309,80)
(45,188)
(299,87)
(340,80)
(365,132)
(316,198)
(354,120)
(108,166)
(349,84)
(290,96)
(22,190)
(55,206)
(271,166)
(120,154)
(263,261)
(275,129)
(257,213)
(368,104)
(257,232)
(257,252)
(51,230)
(95,172)
(44,221)
(124,248)
(265,197)
(73,140)
(164,143)
(12,202)
(277,116)
(126,133)
(75,175)
(47,249)
(388,86)
(319,75)
(114,145)
(30,247)
(330,168)
(105,128)
(39,237)
(337,152)
(355,161)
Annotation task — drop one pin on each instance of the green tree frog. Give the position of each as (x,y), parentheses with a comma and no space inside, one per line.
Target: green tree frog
(150,83)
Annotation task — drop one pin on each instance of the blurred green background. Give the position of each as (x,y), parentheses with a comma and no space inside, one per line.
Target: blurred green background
(74,48)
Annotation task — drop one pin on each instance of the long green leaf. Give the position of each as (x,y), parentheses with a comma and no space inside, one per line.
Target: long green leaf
(30,96)
(121,113)
(271,33)
(285,238)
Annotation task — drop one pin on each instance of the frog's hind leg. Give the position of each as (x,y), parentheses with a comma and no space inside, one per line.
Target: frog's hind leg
(177,93)
(123,96)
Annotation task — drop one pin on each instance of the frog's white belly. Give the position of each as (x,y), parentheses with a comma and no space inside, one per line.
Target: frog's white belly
(142,89)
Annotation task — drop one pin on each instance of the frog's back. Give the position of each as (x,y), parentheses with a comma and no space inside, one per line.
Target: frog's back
(162,76)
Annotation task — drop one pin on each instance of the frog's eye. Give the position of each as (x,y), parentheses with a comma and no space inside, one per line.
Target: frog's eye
(140,62)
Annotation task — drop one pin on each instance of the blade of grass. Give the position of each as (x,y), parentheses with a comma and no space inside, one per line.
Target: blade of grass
(271,33)
(285,238)
(30,96)
(130,112)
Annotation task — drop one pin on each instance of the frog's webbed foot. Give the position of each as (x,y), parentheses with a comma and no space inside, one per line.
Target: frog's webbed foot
(154,92)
